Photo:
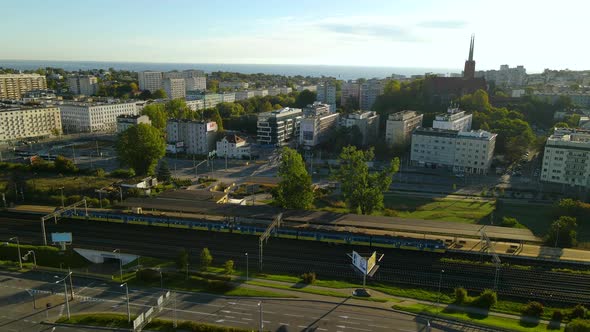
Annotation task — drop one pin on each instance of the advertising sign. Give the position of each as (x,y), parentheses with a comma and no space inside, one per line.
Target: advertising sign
(61,237)
(359,262)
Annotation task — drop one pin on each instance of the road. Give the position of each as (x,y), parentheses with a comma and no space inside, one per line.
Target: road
(18,313)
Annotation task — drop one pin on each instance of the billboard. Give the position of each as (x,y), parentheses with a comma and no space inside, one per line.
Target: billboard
(359,262)
(371,262)
(61,237)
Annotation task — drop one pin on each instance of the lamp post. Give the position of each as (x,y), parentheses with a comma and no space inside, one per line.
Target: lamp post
(26,256)
(161,279)
(439,287)
(261,318)
(118,252)
(127,295)
(20,262)
(247,267)
(62,196)
(65,291)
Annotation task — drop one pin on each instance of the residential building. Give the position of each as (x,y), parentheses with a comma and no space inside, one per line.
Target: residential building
(198,83)
(454,119)
(326,93)
(175,88)
(367,123)
(83,85)
(317,108)
(228,97)
(233,146)
(260,92)
(23,122)
(124,122)
(369,91)
(315,128)
(399,127)
(462,152)
(566,159)
(279,91)
(234,85)
(40,97)
(150,80)
(579,99)
(279,126)
(13,86)
(506,76)
(351,92)
(197,137)
(312,88)
(92,117)
(241,95)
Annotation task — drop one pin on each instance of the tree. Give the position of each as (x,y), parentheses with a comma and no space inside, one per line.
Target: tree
(562,232)
(305,98)
(145,95)
(182,260)
(177,109)
(157,114)
(362,190)
(206,258)
(159,94)
(65,165)
(294,190)
(228,267)
(140,147)
(561,125)
(509,222)
(266,107)
(164,173)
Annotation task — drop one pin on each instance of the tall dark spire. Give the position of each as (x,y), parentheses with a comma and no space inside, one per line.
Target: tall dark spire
(471,47)
(469,71)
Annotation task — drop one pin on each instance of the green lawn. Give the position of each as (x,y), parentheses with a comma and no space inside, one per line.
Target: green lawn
(536,217)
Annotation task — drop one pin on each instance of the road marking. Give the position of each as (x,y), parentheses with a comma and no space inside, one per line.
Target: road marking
(244,318)
(379,326)
(348,322)
(286,324)
(302,326)
(321,329)
(358,329)
(293,315)
(229,316)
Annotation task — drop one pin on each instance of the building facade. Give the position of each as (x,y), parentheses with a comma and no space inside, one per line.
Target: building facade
(351,92)
(315,129)
(454,119)
(279,126)
(566,159)
(19,123)
(369,91)
(13,86)
(83,85)
(399,127)
(326,93)
(150,80)
(92,117)
(233,85)
(175,88)
(233,146)
(367,123)
(241,95)
(506,76)
(198,83)
(196,137)
(125,122)
(463,152)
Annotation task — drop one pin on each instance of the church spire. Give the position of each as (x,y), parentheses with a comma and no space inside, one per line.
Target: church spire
(471,48)
(469,71)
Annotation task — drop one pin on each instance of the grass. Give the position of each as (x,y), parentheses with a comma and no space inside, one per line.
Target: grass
(46,255)
(491,321)
(97,319)
(149,262)
(536,217)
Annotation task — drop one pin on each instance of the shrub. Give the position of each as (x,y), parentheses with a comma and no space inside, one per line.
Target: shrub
(533,309)
(123,173)
(579,311)
(509,222)
(228,266)
(206,258)
(487,299)
(557,315)
(578,325)
(461,295)
(308,278)
(73,199)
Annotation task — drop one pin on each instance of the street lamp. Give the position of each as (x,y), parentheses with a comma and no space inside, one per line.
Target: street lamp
(439,287)
(118,252)
(261,321)
(26,256)
(65,291)
(20,262)
(247,263)
(161,279)
(127,294)
(62,196)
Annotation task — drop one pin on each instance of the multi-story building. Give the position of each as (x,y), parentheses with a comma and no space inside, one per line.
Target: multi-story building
(463,152)
(228,97)
(175,88)
(18,123)
(40,97)
(124,122)
(506,76)
(260,92)
(279,126)
(579,99)
(92,117)
(454,119)
(367,123)
(197,137)
(369,91)
(326,93)
(198,83)
(566,159)
(234,85)
(279,91)
(399,127)
(351,91)
(241,95)
(83,85)
(233,146)
(311,88)
(314,129)
(150,80)
(13,86)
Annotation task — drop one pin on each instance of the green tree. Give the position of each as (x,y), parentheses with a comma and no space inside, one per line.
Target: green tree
(206,258)
(164,173)
(140,147)
(362,190)
(157,114)
(392,87)
(561,125)
(145,95)
(562,232)
(305,98)
(212,114)
(65,165)
(227,110)
(182,259)
(159,94)
(266,107)
(294,190)
(228,267)
(177,109)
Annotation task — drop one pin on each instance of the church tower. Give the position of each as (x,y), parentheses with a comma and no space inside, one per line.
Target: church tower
(469,71)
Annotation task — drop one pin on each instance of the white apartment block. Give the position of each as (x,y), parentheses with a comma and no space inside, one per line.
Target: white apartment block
(19,123)
(150,80)
(13,86)
(125,122)
(315,129)
(351,91)
(241,95)
(567,158)
(399,127)
(454,119)
(326,93)
(175,88)
(233,85)
(228,97)
(367,123)
(83,85)
(233,146)
(368,93)
(279,126)
(92,117)
(198,83)
(317,108)
(279,91)
(506,76)
(463,152)
(197,137)
(260,93)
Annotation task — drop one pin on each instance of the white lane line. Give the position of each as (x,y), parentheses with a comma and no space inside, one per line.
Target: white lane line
(378,326)
(302,326)
(244,318)
(236,313)
(229,316)
(321,329)
(293,315)
(286,324)
(358,329)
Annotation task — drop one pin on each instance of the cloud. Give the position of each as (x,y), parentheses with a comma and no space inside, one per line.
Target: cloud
(435,24)
(364,29)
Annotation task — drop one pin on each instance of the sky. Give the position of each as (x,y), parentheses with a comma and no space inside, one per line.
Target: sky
(391,33)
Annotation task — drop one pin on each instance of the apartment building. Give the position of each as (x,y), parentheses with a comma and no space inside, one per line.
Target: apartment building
(367,123)
(125,122)
(241,95)
(197,137)
(368,93)
(234,85)
(314,129)
(198,83)
(351,92)
(233,146)
(279,91)
(194,80)
(279,126)
(506,76)
(566,159)
(260,93)
(150,80)
(175,88)
(83,85)
(13,86)
(326,93)
(454,119)
(463,152)
(399,127)
(18,123)
(92,117)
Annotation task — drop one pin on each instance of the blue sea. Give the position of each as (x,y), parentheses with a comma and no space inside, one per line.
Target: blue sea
(339,72)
